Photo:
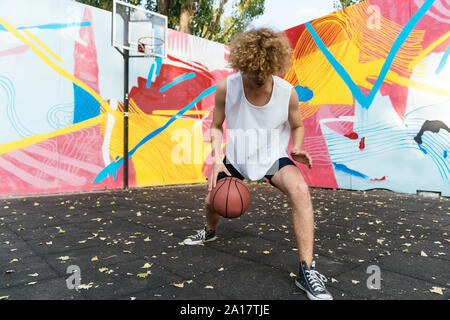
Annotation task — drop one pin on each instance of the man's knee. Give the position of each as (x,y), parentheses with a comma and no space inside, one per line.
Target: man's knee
(299,191)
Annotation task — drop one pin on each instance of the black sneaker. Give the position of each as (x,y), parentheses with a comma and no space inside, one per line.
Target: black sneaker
(201,237)
(312,282)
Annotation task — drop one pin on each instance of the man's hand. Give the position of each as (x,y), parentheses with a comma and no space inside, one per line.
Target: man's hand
(212,179)
(301,156)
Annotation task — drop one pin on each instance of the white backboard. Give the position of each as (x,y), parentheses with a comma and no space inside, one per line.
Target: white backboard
(131,23)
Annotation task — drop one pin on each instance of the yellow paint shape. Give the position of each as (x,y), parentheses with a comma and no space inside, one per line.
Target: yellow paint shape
(43,45)
(162,150)
(25,142)
(428,50)
(395,78)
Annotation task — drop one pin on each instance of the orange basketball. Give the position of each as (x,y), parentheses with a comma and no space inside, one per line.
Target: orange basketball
(230,197)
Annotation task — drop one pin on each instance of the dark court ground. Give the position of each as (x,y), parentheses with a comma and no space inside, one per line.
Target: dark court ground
(128,245)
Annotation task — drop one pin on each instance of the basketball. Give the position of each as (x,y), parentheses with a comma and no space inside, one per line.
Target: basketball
(230,198)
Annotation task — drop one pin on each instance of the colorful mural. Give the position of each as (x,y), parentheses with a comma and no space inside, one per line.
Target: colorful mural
(377,93)
(372,80)
(61,97)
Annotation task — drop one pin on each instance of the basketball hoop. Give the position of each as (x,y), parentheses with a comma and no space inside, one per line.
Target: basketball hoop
(148,45)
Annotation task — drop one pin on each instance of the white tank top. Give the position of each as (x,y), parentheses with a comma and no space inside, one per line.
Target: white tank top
(257,136)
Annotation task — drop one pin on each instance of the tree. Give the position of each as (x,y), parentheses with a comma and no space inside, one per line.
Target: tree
(203,18)
(341,4)
(206,18)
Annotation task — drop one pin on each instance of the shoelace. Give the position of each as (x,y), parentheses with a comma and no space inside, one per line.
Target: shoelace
(316,279)
(200,235)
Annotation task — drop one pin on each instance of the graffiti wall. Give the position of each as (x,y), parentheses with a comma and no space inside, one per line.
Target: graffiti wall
(61,93)
(372,79)
(374,86)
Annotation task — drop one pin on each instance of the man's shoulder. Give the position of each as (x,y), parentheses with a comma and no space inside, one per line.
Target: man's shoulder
(283,83)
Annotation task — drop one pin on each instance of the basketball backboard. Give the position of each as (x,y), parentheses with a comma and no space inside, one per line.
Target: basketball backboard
(142,32)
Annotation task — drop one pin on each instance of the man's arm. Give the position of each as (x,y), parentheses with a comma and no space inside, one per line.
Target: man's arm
(216,130)
(216,134)
(297,131)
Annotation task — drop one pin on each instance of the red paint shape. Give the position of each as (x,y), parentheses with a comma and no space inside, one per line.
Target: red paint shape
(14,51)
(362,143)
(322,172)
(377,180)
(344,128)
(60,157)
(352,136)
(85,57)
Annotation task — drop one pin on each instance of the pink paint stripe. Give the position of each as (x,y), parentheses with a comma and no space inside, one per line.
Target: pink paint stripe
(13,51)
(64,159)
(25,176)
(65,176)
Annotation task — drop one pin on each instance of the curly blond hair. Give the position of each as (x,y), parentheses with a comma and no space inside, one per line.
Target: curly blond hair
(261,53)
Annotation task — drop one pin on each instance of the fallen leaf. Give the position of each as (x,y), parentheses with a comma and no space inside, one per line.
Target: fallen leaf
(423,254)
(64,258)
(209,287)
(103,269)
(333,280)
(85,286)
(33,274)
(355,281)
(4,297)
(147,265)
(94,258)
(437,290)
(178,285)
(31,283)
(14,260)
(142,275)
(292,275)
(10,271)
(221,269)
(147,239)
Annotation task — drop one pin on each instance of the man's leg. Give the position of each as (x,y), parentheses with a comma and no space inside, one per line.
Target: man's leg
(212,217)
(208,233)
(290,181)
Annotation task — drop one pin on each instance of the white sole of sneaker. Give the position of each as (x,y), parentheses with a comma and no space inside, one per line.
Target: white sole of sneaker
(309,295)
(200,242)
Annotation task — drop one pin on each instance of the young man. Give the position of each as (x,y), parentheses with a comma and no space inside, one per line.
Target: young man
(257,104)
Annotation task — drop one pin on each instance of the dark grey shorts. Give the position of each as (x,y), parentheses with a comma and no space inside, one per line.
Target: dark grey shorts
(280,163)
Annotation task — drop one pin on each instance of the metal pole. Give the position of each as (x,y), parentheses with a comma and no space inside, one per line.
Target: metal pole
(125,121)
(126,60)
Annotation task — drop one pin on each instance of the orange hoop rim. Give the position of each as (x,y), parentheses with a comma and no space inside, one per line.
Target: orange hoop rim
(141,45)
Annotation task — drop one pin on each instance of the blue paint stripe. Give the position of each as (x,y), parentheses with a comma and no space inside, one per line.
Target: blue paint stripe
(443,61)
(52,26)
(344,168)
(364,101)
(177,80)
(150,75)
(112,168)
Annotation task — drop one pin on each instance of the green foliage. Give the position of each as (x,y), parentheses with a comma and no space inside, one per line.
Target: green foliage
(341,4)
(207,17)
